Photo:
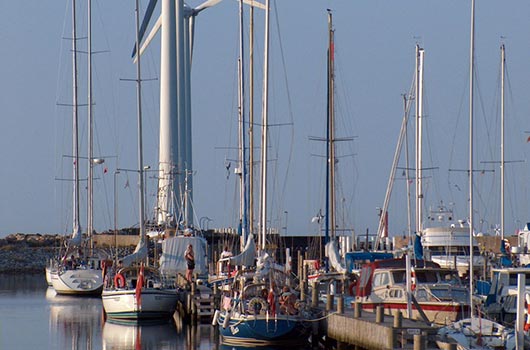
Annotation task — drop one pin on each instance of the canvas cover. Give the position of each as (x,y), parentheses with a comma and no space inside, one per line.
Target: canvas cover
(172,261)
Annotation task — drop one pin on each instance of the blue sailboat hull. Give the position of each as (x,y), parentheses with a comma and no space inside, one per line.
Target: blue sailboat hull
(263,330)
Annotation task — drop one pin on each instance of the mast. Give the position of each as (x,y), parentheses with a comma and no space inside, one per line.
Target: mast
(242,132)
(471,86)
(330,156)
(90,222)
(264,130)
(139,119)
(251,123)
(503,62)
(419,138)
(331,126)
(75,126)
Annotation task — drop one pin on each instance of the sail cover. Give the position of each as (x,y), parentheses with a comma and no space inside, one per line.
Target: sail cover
(334,257)
(139,254)
(247,256)
(172,261)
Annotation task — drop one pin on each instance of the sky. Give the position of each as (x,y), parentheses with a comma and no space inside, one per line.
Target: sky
(375,52)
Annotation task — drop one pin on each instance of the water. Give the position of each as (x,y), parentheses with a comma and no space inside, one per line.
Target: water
(34,317)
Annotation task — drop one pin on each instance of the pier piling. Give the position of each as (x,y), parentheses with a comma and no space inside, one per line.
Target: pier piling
(379,314)
(357,311)
(340,304)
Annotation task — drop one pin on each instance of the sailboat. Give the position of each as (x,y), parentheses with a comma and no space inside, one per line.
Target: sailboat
(476,332)
(261,309)
(73,273)
(332,269)
(139,293)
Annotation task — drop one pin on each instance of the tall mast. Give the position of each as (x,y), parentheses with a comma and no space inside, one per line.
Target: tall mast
(471,86)
(75,126)
(251,122)
(503,62)
(90,214)
(330,219)
(419,138)
(265,131)
(242,132)
(139,116)
(331,126)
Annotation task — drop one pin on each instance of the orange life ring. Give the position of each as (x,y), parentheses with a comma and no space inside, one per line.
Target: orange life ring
(119,280)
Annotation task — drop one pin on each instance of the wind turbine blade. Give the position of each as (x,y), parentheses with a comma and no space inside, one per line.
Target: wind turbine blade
(205,5)
(150,37)
(145,22)
(255,4)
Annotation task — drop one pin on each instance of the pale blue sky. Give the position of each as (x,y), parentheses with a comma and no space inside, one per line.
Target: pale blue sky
(375,43)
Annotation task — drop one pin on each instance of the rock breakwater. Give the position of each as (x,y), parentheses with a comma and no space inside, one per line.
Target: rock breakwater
(27,253)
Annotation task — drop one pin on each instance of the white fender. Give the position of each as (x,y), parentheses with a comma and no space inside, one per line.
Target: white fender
(227,320)
(215,317)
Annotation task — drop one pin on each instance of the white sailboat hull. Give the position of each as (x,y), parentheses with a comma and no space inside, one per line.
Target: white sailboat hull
(122,304)
(77,281)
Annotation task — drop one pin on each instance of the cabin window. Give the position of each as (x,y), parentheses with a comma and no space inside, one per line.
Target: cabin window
(399,276)
(513,280)
(381,279)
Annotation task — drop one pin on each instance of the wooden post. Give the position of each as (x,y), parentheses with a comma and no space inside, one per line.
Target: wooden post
(314,295)
(302,291)
(418,342)
(300,264)
(398,319)
(340,304)
(357,310)
(379,314)
(329,302)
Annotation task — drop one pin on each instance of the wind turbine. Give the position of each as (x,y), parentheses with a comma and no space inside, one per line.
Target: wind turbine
(176,23)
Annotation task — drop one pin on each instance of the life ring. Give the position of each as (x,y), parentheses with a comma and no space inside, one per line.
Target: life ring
(256,305)
(119,280)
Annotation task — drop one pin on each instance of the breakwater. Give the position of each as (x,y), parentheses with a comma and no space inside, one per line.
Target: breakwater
(27,253)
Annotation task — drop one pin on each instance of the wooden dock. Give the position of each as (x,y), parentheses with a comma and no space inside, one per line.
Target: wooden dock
(198,304)
(378,331)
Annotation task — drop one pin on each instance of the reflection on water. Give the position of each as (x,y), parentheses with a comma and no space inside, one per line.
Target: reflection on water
(122,337)
(58,322)
(74,321)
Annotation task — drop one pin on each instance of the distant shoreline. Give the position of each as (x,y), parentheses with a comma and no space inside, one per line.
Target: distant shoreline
(29,253)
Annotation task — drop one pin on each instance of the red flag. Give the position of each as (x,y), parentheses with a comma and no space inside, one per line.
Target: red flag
(528,139)
(139,286)
(271,299)
(105,170)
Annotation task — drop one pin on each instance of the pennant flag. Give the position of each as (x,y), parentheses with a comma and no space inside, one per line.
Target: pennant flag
(105,170)
(528,139)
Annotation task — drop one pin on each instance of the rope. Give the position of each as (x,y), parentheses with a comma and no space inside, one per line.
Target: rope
(321,318)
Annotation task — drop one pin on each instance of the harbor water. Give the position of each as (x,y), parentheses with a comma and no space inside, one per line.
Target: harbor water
(34,317)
